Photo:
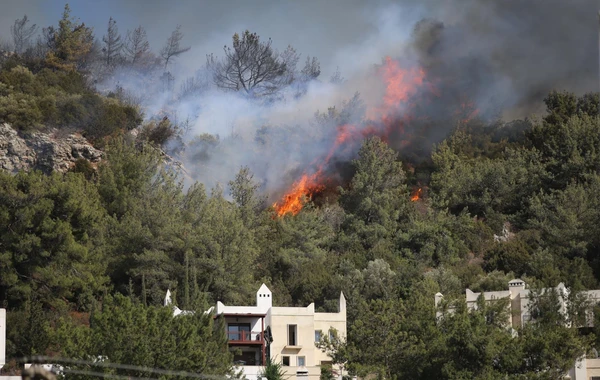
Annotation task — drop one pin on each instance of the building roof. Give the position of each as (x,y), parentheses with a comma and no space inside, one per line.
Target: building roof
(243,314)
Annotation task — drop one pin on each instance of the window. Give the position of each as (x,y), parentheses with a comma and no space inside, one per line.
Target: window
(301,361)
(318,334)
(292,335)
(238,331)
(285,361)
(331,335)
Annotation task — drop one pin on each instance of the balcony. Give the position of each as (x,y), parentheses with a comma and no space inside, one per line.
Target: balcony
(245,337)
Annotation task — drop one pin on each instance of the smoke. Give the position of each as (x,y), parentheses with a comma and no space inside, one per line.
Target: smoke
(496,57)
(500,57)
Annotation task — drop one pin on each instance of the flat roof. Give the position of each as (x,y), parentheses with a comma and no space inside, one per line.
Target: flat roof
(243,314)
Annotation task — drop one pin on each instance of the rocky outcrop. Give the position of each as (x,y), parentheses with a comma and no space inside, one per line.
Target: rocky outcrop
(43,151)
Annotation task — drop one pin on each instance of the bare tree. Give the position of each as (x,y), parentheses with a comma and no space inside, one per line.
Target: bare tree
(290,58)
(173,47)
(49,37)
(22,33)
(311,69)
(193,86)
(251,65)
(136,44)
(337,77)
(112,43)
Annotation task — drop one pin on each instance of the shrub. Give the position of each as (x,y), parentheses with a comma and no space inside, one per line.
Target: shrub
(21,111)
(158,133)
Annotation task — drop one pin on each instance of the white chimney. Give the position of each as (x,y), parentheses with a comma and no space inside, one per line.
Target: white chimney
(264,299)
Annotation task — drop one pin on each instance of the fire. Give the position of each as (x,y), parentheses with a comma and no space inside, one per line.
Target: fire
(386,120)
(293,201)
(400,84)
(416,195)
(466,112)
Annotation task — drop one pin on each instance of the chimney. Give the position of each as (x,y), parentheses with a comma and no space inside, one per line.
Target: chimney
(342,304)
(438,298)
(264,299)
(515,286)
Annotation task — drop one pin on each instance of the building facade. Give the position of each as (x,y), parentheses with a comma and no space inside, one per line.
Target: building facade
(519,297)
(284,334)
(520,313)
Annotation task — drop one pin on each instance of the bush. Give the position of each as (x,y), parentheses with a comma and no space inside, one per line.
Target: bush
(60,99)
(84,167)
(21,111)
(158,133)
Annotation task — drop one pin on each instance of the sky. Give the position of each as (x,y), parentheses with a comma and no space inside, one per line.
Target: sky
(315,28)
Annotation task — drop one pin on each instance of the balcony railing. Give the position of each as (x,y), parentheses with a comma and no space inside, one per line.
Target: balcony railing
(248,337)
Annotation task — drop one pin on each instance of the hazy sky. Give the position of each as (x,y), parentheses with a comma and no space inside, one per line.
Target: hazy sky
(332,29)
(315,28)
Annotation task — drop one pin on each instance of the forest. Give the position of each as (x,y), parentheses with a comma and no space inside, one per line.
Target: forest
(86,256)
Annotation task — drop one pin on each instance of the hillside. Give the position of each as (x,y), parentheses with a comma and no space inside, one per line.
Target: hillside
(96,225)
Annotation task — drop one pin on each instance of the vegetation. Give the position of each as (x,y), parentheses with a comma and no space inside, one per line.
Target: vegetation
(87,256)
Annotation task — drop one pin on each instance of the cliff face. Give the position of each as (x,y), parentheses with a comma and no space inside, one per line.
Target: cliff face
(43,151)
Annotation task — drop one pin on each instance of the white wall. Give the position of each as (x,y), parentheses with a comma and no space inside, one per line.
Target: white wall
(2,337)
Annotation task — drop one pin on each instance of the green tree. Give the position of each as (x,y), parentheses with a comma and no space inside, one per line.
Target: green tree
(127,333)
(294,257)
(53,243)
(245,192)
(225,250)
(71,43)
(374,202)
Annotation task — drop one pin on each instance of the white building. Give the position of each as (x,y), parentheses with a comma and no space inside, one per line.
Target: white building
(518,295)
(284,334)
(520,313)
(2,337)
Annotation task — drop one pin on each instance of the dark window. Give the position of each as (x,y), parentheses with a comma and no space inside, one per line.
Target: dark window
(238,331)
(292,335)
(285,361)
(245,358)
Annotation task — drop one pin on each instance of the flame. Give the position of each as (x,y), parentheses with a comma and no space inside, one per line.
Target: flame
(293,201)
(401,85)
(416,195)
(466,112)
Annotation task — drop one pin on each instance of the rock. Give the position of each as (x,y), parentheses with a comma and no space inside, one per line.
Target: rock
(43,151)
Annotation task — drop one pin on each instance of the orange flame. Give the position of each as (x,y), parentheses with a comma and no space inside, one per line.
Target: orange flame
(401,84)
(467,112)
(416,195)
(294,200)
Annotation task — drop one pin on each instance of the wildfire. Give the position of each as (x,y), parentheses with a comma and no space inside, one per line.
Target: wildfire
(401,84)
(466,112)
(293,201)
(403,87)
(416,195)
